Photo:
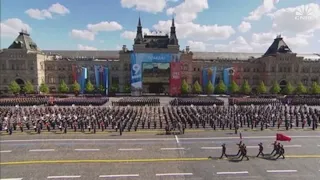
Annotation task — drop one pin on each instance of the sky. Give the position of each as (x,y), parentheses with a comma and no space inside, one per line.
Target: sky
(204,25)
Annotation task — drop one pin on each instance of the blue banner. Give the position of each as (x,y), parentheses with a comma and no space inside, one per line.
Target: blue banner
(226,77)
(208,74)
(137,59)
(97,75)
(204,78)
(83,78)
(106,80)
(214,74)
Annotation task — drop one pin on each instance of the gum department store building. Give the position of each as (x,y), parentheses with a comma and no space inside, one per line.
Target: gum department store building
(23,61)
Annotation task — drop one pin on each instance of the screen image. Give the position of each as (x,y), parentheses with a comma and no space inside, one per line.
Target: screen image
(156,72)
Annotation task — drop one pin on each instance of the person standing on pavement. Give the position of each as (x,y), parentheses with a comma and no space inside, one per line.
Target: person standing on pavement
(224,149)
(260,150)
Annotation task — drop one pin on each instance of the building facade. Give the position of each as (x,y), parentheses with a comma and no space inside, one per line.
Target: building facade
(23,61)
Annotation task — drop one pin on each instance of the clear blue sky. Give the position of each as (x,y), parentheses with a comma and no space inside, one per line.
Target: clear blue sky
(204,25)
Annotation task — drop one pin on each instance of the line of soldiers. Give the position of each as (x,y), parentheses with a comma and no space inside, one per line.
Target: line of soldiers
(81,101)
(196,102)
(23,101)
(158,117)
(137,102)
(254,101)
(278,151)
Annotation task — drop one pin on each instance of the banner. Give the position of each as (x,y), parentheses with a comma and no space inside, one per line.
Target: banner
(227,76)
(136,70)
(208,74)
(97,75)
(106,80)
(175,78)
(83,78)
(74,72)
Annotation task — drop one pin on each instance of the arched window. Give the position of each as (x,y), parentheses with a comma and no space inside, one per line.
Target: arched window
(62,77)
(70,79)
(51,79)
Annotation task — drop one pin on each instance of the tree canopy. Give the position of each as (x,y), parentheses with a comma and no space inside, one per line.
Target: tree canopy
(221,88)
(14,87)
(44,88)
(234,88)
(210,88)
(315,88)
(197,88)
(75,87)
(288,90)
(275,89)
(301,89)
(28,88)
(63,87)
(184,87)
(245,88)
(262,89)
(89,87)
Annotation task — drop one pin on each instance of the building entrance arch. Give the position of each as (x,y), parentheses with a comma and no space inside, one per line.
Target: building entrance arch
(20,82)
(283,83)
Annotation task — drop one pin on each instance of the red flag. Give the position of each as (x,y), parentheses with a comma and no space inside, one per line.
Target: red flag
(282,137)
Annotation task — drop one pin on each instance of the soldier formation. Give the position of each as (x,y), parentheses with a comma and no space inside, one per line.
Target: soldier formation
(278,151)
(168,118)
(196,101)
(137,102)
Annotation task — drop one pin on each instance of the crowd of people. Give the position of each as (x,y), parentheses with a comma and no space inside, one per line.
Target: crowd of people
(202,101)
(137,101)
(255,101)
(128,118)
(80,101)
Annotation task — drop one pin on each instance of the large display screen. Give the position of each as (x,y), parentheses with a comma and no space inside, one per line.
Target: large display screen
(155,72)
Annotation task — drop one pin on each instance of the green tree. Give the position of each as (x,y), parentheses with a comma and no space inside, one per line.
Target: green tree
(301,89)
(89,87)
(75,87)
(234,88)
(127,88)
(14,87)
(63,87)
(44,88)
(210,88)
(184,87)
(289,89)
(197,88)
(262,89)
(101,89)
(114,88)
(275,89)
(221,88)
(245,88)
(315,88)
(28,88)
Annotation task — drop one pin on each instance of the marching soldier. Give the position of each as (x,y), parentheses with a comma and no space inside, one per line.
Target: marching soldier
(260,150)
(244,152)
(223,151)
(281,152)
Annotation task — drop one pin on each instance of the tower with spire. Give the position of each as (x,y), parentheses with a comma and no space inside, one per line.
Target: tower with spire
(139,36)
(154,43)
(173,37)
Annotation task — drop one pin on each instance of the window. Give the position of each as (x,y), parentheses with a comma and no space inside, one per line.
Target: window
(280,69)
(115,80)
(32,81)
(4,80)
(31,67)
(51,80)
(61,78)
(12,67)
(3,66)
